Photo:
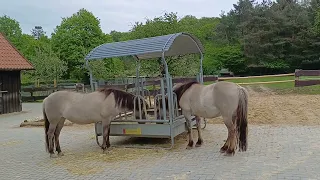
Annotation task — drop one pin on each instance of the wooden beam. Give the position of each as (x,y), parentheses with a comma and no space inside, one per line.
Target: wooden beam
(307,73)
(300,83)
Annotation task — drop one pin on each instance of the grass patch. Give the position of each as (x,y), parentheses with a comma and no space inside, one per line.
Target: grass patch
(281,88)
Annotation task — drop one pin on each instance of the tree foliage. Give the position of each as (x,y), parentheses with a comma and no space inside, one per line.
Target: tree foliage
(254,37)
(37,32)
(48,66)
(11,29)
(74,38)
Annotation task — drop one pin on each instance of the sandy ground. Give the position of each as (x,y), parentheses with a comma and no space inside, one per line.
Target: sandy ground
(266,107)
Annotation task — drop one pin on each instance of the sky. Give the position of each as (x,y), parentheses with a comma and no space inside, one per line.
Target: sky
(117,15)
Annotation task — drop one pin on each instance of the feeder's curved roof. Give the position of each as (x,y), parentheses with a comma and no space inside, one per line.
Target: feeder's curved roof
(171,44)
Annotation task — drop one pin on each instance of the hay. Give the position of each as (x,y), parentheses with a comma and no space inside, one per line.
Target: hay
(87,163)
(39,121)
(10,143)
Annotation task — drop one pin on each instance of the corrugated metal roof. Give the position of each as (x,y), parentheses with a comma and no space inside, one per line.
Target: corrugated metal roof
(10,57)
(172,44)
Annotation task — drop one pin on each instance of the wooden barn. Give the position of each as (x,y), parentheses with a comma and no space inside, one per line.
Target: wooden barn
(11,64)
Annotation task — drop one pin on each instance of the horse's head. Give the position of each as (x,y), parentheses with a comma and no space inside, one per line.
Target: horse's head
(178,89)
(159,106)
(140,102)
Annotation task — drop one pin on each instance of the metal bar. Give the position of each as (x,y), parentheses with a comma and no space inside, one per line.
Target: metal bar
(90,73)
(137,74)
(169,90)
(163,100)
(201,67)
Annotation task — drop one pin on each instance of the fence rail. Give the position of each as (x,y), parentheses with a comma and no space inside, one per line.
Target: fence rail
(38,93)
(35,92)
(306,82)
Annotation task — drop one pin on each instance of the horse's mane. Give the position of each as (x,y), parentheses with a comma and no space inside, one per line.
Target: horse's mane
(180,90)
(183,88)
(123,99)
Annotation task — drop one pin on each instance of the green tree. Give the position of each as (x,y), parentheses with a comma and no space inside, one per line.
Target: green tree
(47,65)
(74,38)
(107,68)
(11,29)
(37,32)
(317,22)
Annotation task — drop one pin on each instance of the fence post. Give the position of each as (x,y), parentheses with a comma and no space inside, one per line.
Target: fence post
(296,79)
(217,78)
(54,82)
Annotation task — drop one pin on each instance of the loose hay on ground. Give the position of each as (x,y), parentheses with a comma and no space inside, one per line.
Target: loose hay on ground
(39,121)
(10,143)
(85,163)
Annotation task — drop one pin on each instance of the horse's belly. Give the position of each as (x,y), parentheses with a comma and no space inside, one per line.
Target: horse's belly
(208,112)
(80,115)
(80,120)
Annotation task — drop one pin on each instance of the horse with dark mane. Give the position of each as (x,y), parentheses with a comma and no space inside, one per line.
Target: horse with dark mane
(80,108)
(225,99)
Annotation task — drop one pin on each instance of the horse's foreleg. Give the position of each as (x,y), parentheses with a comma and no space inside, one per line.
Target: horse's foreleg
(198,123)
(57,135)
(108,140)
(189,127)
(105,128)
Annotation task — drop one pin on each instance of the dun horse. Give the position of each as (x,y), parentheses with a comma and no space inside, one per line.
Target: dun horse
(99,106)
(225,99)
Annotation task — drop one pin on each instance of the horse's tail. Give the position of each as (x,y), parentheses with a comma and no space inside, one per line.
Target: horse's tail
(242,120)
(46,126)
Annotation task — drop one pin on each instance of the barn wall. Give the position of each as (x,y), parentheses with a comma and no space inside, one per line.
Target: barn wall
(10,101)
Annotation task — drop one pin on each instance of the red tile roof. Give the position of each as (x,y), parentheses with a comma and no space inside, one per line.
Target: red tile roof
(11,58)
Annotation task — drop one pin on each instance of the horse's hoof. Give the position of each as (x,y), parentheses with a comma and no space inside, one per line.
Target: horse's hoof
(53,156)
(106,151)
(199,143)
(229,153)
(60,154)
(190,145)
(223,149)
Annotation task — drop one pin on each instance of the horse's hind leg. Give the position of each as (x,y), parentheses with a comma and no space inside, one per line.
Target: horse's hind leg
(198,123)
(224,148)
(50,133)
(57,135)
(189,127)
(230,144)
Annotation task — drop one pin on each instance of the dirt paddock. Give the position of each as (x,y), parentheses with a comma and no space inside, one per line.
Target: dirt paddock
(268,107)
(280,146)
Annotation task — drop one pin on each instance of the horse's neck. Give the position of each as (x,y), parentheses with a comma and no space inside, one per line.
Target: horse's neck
(130,104)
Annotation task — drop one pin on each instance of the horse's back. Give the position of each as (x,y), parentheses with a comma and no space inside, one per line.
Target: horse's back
(226,95)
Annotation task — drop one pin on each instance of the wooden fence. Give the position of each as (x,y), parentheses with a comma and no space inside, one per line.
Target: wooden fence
(154,83)
(306,82)
(39,93)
